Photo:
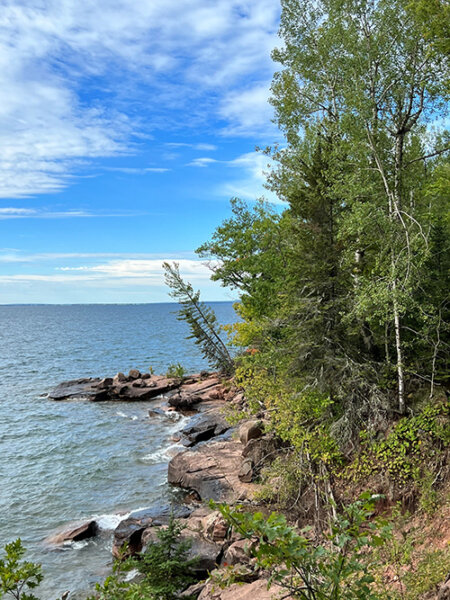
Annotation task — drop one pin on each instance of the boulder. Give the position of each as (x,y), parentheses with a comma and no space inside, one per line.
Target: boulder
(211,470)
(250,430)
(204,428)
(206,552)
(105,383)
(190,394)
(155,386)
(121,377)
(130,530)
(238,553)
(258,450)
(134,374)
(248,591)
(246,471)
(193,590)
(75,532)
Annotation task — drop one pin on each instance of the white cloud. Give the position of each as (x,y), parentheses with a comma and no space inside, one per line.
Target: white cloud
(16,212)
(248,112)
(24,213)
(137,170)
(127,268)
(201,162)
(249,185)
(201,146)
(72,74)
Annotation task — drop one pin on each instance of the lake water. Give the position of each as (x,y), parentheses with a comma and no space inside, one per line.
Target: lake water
(64,461)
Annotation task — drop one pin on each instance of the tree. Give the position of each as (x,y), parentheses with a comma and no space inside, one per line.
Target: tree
(200,318)
(361,71)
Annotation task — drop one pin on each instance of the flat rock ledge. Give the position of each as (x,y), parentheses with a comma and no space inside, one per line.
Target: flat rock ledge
(212,471)
(182,393)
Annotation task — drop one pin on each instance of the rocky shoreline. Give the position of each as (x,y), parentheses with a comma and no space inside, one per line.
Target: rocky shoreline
(219,463)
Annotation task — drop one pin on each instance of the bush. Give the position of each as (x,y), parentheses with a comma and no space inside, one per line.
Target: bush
(165,570)
(18,576)
(176,371)
(339,569)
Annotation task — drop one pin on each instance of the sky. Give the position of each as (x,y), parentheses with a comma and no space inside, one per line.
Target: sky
(125,128)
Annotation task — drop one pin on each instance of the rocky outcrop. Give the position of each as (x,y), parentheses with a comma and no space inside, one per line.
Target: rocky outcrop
(79,388)
(130,530)
(203,428)
(181,393)
(75,532)
(212,471)
(194,391)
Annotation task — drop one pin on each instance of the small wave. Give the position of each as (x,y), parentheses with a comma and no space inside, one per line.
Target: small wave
(119,413)
(110,522)
(161,456)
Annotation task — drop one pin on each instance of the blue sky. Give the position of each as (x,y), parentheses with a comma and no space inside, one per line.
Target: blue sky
(125,127)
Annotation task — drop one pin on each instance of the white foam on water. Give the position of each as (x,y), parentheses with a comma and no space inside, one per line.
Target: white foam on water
(119,413)
(109,522)
(162,455)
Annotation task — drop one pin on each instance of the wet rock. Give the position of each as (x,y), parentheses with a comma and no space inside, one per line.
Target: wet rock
(78,388)
(121,377)
(145,376)
(130,530)
(250,430)
(204,428)
(75,533)
(134,374)
(212,471)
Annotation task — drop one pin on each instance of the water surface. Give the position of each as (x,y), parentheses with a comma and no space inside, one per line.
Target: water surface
(63,461)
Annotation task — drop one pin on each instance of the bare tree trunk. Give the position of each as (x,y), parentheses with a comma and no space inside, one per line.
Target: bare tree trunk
(398,347)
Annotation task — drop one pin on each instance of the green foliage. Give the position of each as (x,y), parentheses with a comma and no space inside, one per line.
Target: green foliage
(407,450)
(338,569)
(431,571)
(165,570)
(201,319)
(176,371)
(17,576)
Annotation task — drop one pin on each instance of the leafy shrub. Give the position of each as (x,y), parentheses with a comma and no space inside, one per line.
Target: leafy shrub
(176,371)
(339,569)
(165,570)
(18,576)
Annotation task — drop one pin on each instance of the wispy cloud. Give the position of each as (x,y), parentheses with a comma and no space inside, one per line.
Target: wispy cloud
(80,81)
(14,255)
(23,213)
(201,162)
(206,147)
(137,170)
(252,169)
